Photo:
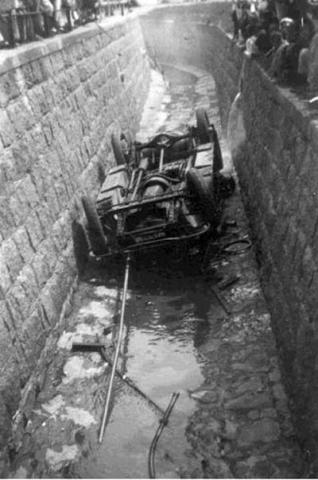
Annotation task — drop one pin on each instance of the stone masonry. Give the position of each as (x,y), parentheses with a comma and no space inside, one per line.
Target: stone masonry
(59,103)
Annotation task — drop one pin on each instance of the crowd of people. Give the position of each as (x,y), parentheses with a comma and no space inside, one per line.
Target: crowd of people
(281,32)
(35,19)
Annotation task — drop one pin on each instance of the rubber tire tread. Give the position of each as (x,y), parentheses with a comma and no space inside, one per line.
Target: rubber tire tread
(217,153)
(203,125)
(96,237)
(202,191)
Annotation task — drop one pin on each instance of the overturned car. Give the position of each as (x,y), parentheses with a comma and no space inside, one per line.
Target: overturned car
(167,190)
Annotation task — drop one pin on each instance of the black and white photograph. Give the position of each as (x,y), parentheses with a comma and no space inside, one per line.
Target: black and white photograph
(158,239)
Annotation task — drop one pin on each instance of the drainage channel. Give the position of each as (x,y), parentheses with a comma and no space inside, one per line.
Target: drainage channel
(213,346)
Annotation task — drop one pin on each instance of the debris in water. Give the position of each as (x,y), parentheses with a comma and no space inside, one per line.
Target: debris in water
(221,300)
(57,459)
(198,394)
(21,473)
(75,368)
(54,405)
(230,223)
(107,330)
(82,330)
(237,246)
(227,282)
(98,310)
(79,416)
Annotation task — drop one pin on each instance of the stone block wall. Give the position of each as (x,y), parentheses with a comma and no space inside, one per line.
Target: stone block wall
(59,103)
(279,178)
(278,174)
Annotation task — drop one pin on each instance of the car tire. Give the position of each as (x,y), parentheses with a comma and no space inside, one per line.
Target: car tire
(129,139)
(118,151)
(224,185)
(203,193)
(217,153)
(80,245)
(203,125)
(96,237)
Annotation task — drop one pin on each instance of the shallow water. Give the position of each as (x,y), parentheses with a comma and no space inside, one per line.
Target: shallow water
(165,322)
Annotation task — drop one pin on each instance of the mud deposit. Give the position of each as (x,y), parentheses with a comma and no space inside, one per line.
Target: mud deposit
(183,334)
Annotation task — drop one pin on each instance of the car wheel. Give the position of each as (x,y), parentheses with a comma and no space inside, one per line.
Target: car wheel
(80,245)
(203,193)
(129,139)
(203,125)
(118,151)
(217,153)
(96,237)
(224,185)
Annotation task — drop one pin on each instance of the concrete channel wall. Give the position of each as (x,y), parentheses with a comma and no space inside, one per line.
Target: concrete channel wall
(59,103)
(278,173)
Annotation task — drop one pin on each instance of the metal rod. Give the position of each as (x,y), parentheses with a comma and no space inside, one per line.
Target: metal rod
(132,204)
(162,423)
(131,383)
(100,348)
(221,300)
(139,177)
(131,181)
(120,333)
(162,153)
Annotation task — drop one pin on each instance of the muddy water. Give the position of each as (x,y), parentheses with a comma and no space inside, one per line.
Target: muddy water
(167,317)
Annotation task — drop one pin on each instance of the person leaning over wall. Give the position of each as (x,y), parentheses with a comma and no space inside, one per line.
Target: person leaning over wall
(282,45)
(42,11)
(66,14)
(8,20)
(88,10)
(308,57)
(23,21)
(54,16)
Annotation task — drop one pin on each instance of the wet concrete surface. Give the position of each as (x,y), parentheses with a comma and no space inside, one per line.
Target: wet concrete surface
(182,334)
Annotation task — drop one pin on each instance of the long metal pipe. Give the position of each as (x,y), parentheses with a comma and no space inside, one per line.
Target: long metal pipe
(120,334)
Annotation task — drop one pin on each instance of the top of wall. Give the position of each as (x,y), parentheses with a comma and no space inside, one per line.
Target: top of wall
(13,58)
